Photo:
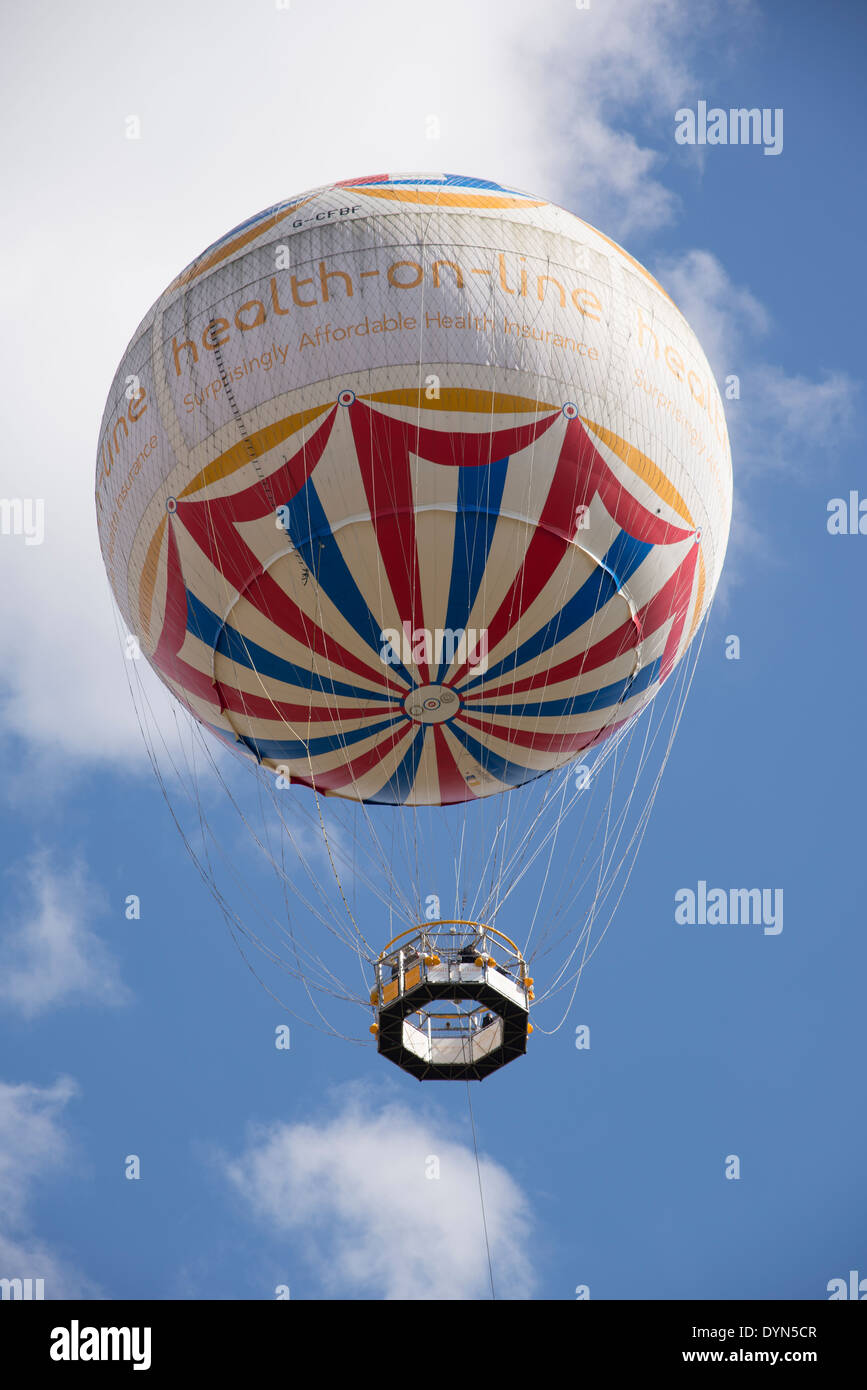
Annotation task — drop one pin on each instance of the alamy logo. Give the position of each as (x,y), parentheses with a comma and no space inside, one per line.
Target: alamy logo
(855,1288)
(847,519)
(22,1288)
(75,1343)
(23,516)
(721,907)
(469,646)
(738,126)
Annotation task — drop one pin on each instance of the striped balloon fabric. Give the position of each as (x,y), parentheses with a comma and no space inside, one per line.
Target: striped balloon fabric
(469,596)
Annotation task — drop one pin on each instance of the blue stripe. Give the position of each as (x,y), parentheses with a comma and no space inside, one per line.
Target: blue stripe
(480,494)
(277,748)
(323,558)
(602,698)
(205,625)
(399,785)
(624,556)
(242,226)
(511,774)
(447,181)
(617,565)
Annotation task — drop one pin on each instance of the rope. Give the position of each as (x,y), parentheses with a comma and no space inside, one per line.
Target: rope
(481,1193)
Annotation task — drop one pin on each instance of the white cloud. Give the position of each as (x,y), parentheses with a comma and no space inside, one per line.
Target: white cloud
(606,77)
(613,185)
(793,416)
(780,421)
(779,415)
(353,1189)
(721,314)
(33,1145)
(53,956)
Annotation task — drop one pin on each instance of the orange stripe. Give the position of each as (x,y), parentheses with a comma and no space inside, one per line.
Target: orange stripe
(459,398)
(443,199)
(229,249)
(643,468)
(699,598)
(632,261)
(149,578)
(261,441)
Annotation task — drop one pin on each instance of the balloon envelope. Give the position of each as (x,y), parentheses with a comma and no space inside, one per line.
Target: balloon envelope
(414,488)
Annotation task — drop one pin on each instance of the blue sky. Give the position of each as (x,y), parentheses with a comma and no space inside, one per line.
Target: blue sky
(603,1167)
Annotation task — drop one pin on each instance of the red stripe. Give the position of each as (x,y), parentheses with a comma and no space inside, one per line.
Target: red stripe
(624,639)
(545,742)
(233,558)
(212,524)
(266,595)
(261,707)
(174,631)
(453,448)
(683,581)
(384,445)
(453,787)
(385,470)
(261,498)
(357,183)
(546,549)
(353,771)
(672,598)
(581,473)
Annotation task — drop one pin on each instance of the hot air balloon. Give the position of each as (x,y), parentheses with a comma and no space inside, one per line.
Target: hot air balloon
(414,490)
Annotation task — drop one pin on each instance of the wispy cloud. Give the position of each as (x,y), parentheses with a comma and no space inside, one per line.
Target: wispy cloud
(608,80)
(779,415)
(33,1146)
(354,1189)
(781,419)
(53,956)
(794,415)
(722,315)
